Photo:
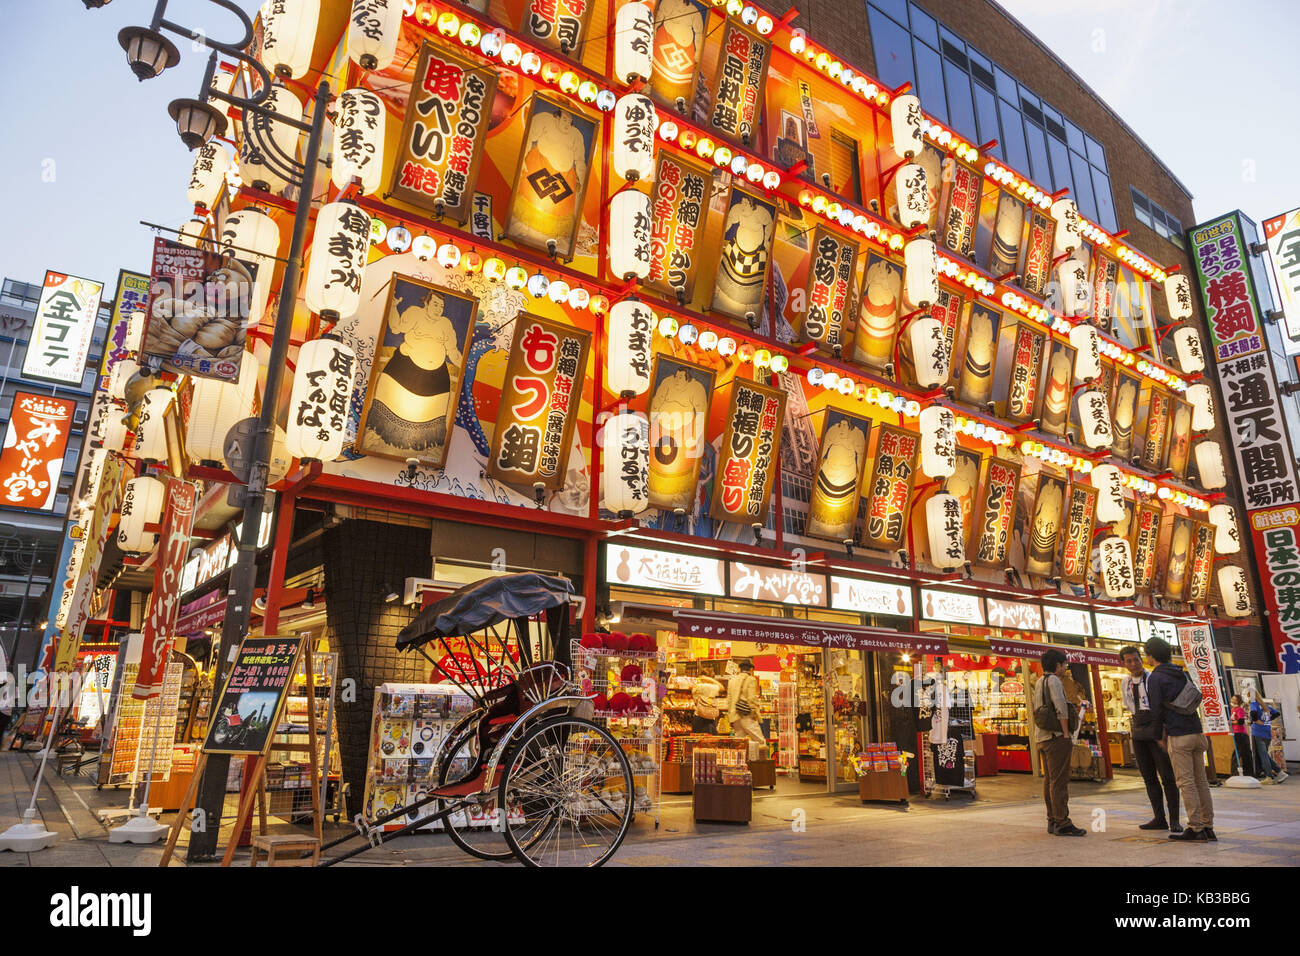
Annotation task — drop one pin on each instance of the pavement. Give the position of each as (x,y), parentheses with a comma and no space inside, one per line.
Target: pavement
(1003,825)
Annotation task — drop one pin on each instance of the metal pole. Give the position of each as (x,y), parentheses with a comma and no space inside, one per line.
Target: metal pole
(22,608)
(243,578)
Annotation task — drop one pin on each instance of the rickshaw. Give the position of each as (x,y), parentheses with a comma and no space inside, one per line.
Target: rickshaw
(557,787)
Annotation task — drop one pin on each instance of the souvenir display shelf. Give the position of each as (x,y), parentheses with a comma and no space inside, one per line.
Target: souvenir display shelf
(1008,717)
(288,768)
(812,740)
(136,722)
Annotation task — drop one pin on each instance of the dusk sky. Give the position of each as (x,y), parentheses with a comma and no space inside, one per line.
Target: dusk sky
(89,151)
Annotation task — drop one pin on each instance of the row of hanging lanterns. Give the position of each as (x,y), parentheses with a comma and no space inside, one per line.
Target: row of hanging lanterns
(216,406)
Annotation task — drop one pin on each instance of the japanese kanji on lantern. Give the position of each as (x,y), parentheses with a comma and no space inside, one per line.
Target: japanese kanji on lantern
(318,403)
(1202,402)
(920,274)
(374,28)
(1227,535)
(115,432)
(1187,346)
(679,207)
(633,42)
(625,463)
(938,427)
(447,116)
(251,236)
(208,175)
(944,524)
(1076,293)
(1110,487)
(929,351)
(913,195)
(742,487)
(1094,419)
(629,234)
(142,504)
(1087,359)
(1116,567)
(830,287)
(1209,465)
(634,136)
(630,331)
(358,140)
(905,121)
(890,489)
(837,485)
(679,407)
(738,84)
(151,427)
(35,440)
(338,261)
(288,34)
(1076,543)
(270,144)
(216,406)
(1234,590)
(1069,229)
(1178,297)
(993,530)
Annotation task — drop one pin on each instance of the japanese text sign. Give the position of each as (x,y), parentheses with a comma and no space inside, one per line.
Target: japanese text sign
(63,329)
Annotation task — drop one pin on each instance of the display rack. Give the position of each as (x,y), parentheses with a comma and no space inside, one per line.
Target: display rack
(1008,718)
(138,725)
(288,769)
(812,737)
(961,726)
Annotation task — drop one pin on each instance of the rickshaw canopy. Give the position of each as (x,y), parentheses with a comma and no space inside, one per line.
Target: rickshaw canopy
(484,604)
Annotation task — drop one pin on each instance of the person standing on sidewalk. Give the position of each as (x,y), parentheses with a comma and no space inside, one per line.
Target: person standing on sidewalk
(1241,745)
(1262,715)
(1052,732)
(742,704)
(1152,760)
(1183,739)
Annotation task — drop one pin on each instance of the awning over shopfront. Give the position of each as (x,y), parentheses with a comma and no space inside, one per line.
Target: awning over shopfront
(1007,647)
(715,626)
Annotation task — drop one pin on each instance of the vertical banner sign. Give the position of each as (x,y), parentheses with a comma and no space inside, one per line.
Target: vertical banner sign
(1054,407)
(837,486)
(173,550)
(878,308)
(1275,534)
(678,201)
(1026,371)
(132,296)
(63,329)
(1105,278)
(35,440)
(738,89)
(1227,291)
(963,484)
(1180,438)
(806,107)
(1038,252)
(198,311)
(963,209)
(1045,525)
(1178,564)
(1282,234)
(680,28)
(442,137)
(947,309)
(539,403)
(747,234)
(743,486)
(975,386)
(830,278)
(557,24)
(1123,412)
(1157,427)
(994,529)
(679,412)
(1202,665)
(891,488)
(1076,550)
(1146,545)
(1198,591)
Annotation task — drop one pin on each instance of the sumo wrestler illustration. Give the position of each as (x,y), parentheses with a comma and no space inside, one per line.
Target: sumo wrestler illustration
(742,272)
(833,509)
(679,409)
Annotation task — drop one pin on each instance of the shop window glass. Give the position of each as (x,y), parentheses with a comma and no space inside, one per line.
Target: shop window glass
(893,48)
(1083,186)
(924,26)
(961,114)
(1013,137)
(845,177)
(986,112)
(929,82)
(895,8)
(1040,170)
(1105,202)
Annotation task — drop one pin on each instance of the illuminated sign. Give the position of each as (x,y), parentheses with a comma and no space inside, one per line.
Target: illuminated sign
(663,570)
(871,597)
(63,329)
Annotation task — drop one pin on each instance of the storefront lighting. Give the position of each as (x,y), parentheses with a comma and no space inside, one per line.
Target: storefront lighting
(272,136)
(668,131)
(780,363)
(764,25)
(373,31)
(512,54)
(633,26)
(599,305)
(516,277)
(551,72)
(558,292)
(399,239)
(448,24)
(668,327)
(470,34)
(587,91)
(829,381)
(704,147)
(538,285)
(846,385)
(735,7)
(726,346)
(142,505)
(424,249)
(448,255)
(569,82)
(335,271)
(196,122)
(378,230)
(605,101)
(738,164)
(798,41)
(687,334)
(530,64)
(216,407)
(192,232)
(579,297)
(762,358)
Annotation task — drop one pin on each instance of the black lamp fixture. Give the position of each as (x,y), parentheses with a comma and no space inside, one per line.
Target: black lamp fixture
(95,4)
(197,122)
(148,52)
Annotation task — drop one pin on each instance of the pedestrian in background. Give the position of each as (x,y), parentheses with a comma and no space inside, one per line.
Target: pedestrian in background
(1262,715)
(1241,743)
(1053,726)
(1174,707)
(1152,760)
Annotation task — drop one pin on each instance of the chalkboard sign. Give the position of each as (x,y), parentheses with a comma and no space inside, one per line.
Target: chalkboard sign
(247,711)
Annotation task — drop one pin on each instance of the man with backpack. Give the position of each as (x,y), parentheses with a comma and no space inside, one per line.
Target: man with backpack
(1174,699)
(1055,720)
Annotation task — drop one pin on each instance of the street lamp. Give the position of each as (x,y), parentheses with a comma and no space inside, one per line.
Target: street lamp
(148,52)
(197,122)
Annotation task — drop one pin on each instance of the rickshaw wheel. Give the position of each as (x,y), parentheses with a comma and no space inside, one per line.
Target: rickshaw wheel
(484,842)
(571,786)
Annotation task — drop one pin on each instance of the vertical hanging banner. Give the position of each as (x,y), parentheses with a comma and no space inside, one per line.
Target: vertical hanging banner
(1197,642)
(679,412)
(1146,545)
(539,403)
(738,89)
(891,488)
(1105,278)
(132,296)
(680,29)
(964,485)
(742,489)
(1275,534)
(1008,232)
(35,440)
(947,312)
(160,622)
(1282,233)
(963,209)
(63,329)
(1124,412)
(837,486)
(1159,407)
(1180,438)
(878,307)
(993,532)
(1076,548)
(678,203)
(1054,403)
(1038,252)
(559,25)
(830,281)
(1045,525)
(975,386)
(738,290)
(198,311)
(1027,368)
(442,137)
(1227,291)
(1258,432)
(1198,589)
(1179,560)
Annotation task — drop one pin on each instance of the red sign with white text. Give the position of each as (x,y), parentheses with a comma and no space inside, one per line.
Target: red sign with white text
(35,441)
(159,625)
(1275,534)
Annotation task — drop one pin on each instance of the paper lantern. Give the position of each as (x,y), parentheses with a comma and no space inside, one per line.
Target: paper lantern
(208,175)
(288,35)
(629,234)
(134,331)
(1187,346)
(373,31)
(358,140)
(1209,465)
(281,460)
(1234,591)
(1202,402)
(1087,362)
(191,234)
(338,261)
(920,273)
(253,237)
(938,441)
(913,196)
(1110,494)
(1178,297)
(318,403)
(150,431)
(1117,578)
(1227,536)
(114,432)
(634,137)
(1094,418)
(929,351)
(633,42)
(1076,292)
(625,463)
(905,121)
(943,518)
(265,138)
(123,371)
(215,408)
(142,504)
(1069,230)
(627,357)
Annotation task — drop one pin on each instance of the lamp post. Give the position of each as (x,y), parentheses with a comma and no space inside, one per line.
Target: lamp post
(148,54)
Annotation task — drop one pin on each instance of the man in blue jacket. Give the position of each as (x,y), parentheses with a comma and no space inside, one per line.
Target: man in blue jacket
(1183,740)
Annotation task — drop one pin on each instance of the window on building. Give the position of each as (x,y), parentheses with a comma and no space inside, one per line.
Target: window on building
(1165,224)
(845,167)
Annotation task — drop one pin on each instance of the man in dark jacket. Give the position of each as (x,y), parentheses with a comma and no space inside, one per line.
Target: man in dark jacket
(1184,741)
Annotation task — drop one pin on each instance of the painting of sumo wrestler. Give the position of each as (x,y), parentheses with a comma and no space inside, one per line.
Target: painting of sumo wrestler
(833,510)
(420,358)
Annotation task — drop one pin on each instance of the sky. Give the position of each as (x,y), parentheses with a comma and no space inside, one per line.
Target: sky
(88,151)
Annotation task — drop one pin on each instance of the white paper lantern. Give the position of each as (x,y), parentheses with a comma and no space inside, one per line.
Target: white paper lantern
(264,136)
(938,441)
(943,519)
(373,31)
(1087,362)
(1227,536)
(1234,590)
(338,261)
(358,140)
(115,431)
(627,358)
(134,330)
(634,137)
(1178,297)
(151,431)
(905,121)
(123,371)
(252,236)
(208,175)
(1209,465)
(913,196)
(142,504)
(1094,418)
(633,42)
(629,234)
(318,403)
(1069,230)
(625,463)
(929,351)
(1110,494)
(1117,578)
(191,233)
(1202,401)
(216,407)
(288,35)
(1187,345)
(920,273)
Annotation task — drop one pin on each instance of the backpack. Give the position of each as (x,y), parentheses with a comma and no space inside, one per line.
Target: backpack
(1045,715)
(1188,700)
